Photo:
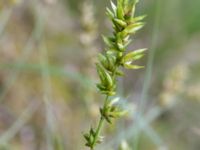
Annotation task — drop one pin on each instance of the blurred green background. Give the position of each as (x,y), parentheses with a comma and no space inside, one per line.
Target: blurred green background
(47,76)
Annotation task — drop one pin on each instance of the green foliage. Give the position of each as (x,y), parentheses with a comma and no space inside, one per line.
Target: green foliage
(114,58)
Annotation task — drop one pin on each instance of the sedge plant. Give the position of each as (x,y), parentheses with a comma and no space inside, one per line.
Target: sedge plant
(112,60)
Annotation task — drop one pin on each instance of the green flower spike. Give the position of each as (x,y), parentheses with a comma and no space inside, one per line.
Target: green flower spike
(112,60)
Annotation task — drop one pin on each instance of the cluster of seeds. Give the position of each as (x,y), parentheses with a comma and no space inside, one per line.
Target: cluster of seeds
(113,59)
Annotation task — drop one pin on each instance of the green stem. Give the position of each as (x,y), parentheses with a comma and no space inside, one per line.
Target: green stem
(105,102)
(100,125)
(102,119)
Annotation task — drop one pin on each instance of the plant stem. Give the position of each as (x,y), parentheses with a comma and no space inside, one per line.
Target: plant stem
(102,119)
(100,125)
(106,101)
(98,130)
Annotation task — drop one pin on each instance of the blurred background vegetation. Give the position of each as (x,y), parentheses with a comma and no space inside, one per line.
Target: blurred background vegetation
(47,76)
